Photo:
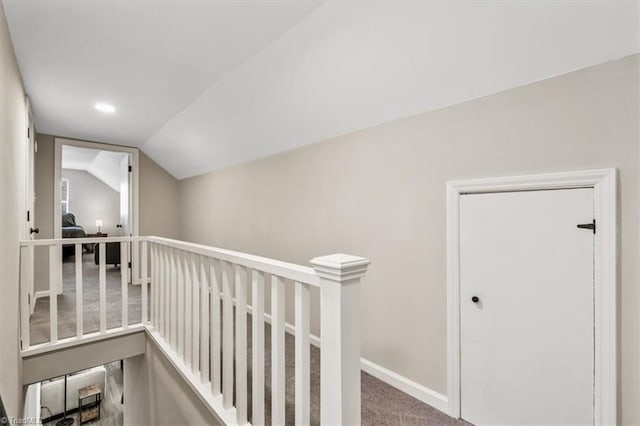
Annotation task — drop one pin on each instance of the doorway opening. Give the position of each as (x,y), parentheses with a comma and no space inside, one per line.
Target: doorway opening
(96,195)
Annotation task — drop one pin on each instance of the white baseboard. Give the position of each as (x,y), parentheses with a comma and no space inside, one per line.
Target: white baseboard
(39,294)
(422,393)
(36,296)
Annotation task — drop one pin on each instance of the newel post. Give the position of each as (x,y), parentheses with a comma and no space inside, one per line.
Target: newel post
(340,276)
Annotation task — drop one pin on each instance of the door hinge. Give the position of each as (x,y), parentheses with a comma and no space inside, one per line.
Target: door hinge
(28,215)
(130,168)
(28,132)
(130,265)
(591,226)
(29,299)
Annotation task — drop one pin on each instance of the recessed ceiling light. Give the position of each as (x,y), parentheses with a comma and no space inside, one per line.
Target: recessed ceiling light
(100,106)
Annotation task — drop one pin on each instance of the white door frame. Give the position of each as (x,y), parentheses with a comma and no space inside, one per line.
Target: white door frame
(57,177)
(604,184)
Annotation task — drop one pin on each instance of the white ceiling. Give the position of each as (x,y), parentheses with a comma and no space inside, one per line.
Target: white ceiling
(149,59)
(204,85)
(103,165)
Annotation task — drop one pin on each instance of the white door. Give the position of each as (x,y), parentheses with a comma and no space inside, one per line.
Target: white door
(527,341)
(125,207)
(30,230)
(125,194)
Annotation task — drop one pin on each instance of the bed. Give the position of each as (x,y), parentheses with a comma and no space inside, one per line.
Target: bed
(70,230)
(69,227)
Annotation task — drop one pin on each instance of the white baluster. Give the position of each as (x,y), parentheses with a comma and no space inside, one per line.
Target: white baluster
(134,259)
(277,351)
(166,288)
(303,359)
(124,284)
(154,285)
(216,285)
(156,288)
(53,292)
(173,308)
(145,281)
(79,308)
(340,331)
(204,329)
(26,284)
(162,295)
(241,344)
(227,334)
(188,309)
(103,286)
(257,349)
(180,310)
(195,315)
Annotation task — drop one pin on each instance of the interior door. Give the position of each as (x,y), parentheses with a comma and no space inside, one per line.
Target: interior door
(125,194)
(527,307)
(125,206)
(30,227)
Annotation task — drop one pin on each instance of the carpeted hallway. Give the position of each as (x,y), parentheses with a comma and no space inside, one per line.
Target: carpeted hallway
(382,404)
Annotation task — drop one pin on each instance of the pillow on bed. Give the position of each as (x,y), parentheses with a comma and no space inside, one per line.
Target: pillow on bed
(68,219)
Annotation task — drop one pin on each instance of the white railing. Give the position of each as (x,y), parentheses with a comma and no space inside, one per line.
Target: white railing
(54,281)
(196,311)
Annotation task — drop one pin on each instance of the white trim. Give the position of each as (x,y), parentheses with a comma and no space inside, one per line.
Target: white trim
(193,380)
(38,295)
(75,341)
(135,185)
(604,183)
(403,384)
(416,390)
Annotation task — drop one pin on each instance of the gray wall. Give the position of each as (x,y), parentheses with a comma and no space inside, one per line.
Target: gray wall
(155,393)
(13,128)
(159,200)
(380,193)
(91,199)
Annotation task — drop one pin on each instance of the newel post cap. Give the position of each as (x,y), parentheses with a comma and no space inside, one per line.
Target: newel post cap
(340,267)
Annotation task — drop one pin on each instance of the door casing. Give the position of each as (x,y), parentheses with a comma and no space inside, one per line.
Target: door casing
(604,184)
(133,196)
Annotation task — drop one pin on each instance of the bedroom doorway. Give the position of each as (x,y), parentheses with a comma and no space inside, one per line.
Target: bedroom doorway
(95,195)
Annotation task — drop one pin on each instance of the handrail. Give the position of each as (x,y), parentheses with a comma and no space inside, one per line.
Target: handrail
(71,241)
(194,301)
(292,271)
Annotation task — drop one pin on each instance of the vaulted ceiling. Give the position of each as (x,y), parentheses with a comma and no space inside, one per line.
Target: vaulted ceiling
(103,165)
(199,86)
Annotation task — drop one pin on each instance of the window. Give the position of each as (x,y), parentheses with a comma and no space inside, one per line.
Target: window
(64,191)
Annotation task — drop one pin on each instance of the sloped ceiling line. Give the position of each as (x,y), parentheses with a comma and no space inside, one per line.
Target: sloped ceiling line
(204,85)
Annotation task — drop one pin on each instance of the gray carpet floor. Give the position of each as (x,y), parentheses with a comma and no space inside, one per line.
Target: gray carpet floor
(382,404)
(39,326)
